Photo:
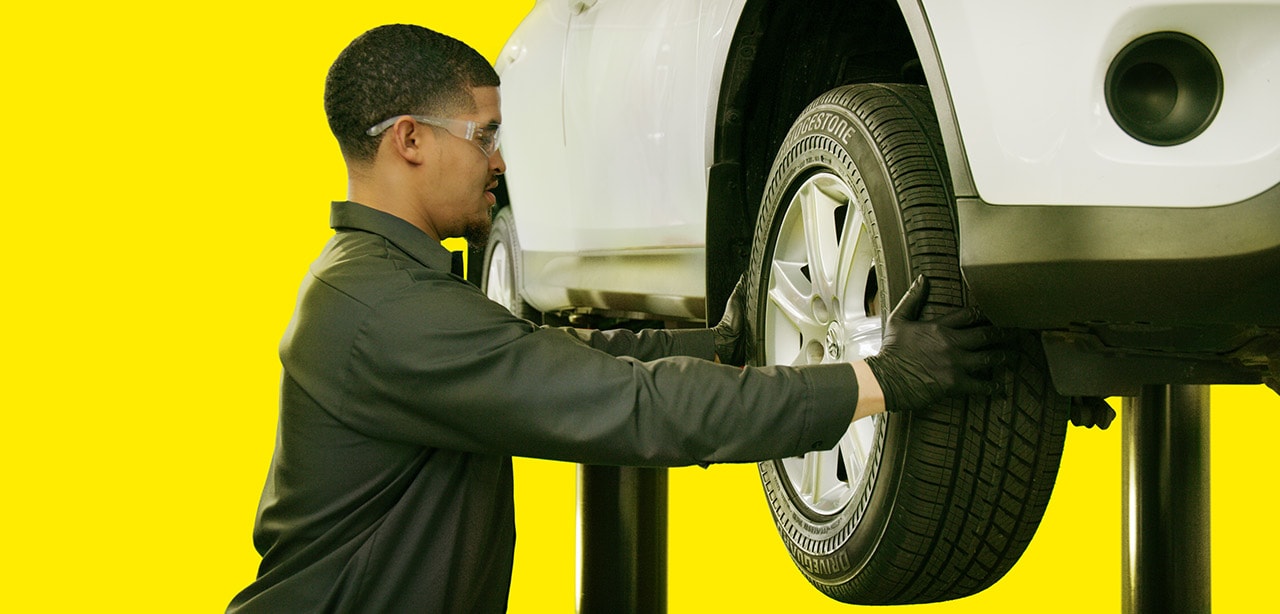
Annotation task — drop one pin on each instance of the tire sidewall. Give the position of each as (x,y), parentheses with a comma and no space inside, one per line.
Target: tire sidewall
(503,232)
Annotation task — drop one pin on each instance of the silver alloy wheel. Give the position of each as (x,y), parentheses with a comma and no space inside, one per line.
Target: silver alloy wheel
(500,277)
(823,308)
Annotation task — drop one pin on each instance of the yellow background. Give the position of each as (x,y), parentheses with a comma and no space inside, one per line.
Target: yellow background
(167,172)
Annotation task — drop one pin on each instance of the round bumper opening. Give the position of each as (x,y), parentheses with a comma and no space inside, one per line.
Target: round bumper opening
(1164,88)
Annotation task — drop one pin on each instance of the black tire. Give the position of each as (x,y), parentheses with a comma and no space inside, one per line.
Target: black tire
(946,500)
(502,270)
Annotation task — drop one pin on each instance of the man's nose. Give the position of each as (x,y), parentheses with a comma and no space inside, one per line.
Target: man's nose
(498,164)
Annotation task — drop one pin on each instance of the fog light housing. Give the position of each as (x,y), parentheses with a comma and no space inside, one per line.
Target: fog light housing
(1164,88)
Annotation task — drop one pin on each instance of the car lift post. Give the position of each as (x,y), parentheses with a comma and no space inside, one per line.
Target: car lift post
(1166,546)
(622,517)
(622,540)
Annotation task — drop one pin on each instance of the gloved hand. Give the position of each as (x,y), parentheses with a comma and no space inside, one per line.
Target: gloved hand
(1089,412)
(730,333)
(922,362)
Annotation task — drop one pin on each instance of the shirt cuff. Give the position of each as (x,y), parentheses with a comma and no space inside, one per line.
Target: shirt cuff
(834,390)
(695,342)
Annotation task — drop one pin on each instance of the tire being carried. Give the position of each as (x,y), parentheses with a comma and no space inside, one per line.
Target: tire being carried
(908,508)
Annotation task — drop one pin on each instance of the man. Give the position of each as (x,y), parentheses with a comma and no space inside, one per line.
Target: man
(406,391)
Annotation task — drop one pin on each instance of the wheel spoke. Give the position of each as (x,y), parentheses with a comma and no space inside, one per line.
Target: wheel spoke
(809,476)
(819,475)
(855,258)
(500,288)
(790,296)
(818,207)
(855,457)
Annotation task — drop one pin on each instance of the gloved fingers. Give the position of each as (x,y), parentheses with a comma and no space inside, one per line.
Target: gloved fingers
(1089,412)
(976,338)
(739,294)
(913,301)
(729,338)
(962,317)
(736,303)
(972,362)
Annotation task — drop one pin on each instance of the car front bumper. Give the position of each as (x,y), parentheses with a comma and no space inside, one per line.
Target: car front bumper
(1126,296)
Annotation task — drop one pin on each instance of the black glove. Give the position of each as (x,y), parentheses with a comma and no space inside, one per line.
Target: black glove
(1089,412)
(922,362)
(731,346)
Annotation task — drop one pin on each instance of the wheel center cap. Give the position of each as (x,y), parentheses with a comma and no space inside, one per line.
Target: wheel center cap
(835,341)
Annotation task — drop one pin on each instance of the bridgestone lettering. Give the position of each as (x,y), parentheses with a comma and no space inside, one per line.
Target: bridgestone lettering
(830,123)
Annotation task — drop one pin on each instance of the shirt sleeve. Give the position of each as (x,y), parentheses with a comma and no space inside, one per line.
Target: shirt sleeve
(650,344)
(458,371)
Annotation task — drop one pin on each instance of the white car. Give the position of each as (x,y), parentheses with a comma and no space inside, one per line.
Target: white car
(1104,174)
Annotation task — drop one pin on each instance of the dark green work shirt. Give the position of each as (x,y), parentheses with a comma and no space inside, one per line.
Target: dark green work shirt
(406,392)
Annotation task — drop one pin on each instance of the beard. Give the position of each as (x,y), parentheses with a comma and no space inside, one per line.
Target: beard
(476,232)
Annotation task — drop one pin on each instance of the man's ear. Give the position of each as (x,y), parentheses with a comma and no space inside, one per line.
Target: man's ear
(409,140)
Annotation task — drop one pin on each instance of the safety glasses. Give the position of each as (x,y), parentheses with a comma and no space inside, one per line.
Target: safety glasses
(484,137)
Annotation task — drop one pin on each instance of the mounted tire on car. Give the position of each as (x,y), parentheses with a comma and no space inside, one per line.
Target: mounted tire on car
(908,508)
(501,267)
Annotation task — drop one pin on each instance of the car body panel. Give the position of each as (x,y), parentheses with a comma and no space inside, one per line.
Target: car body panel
(533,128)
(638,92)
(616,115)
(1026,83)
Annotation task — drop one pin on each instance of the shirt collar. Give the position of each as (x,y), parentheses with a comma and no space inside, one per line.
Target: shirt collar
(409,238)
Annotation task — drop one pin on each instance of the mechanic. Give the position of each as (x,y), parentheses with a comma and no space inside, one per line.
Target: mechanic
(406,391)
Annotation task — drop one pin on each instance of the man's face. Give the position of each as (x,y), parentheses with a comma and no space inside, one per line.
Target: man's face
(457,193)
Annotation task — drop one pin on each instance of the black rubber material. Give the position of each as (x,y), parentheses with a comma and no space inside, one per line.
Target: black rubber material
(953,494)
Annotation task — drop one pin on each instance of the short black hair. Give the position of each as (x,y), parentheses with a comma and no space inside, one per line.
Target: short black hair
(399,70)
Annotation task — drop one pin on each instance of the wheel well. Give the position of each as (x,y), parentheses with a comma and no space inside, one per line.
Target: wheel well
(783,55)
